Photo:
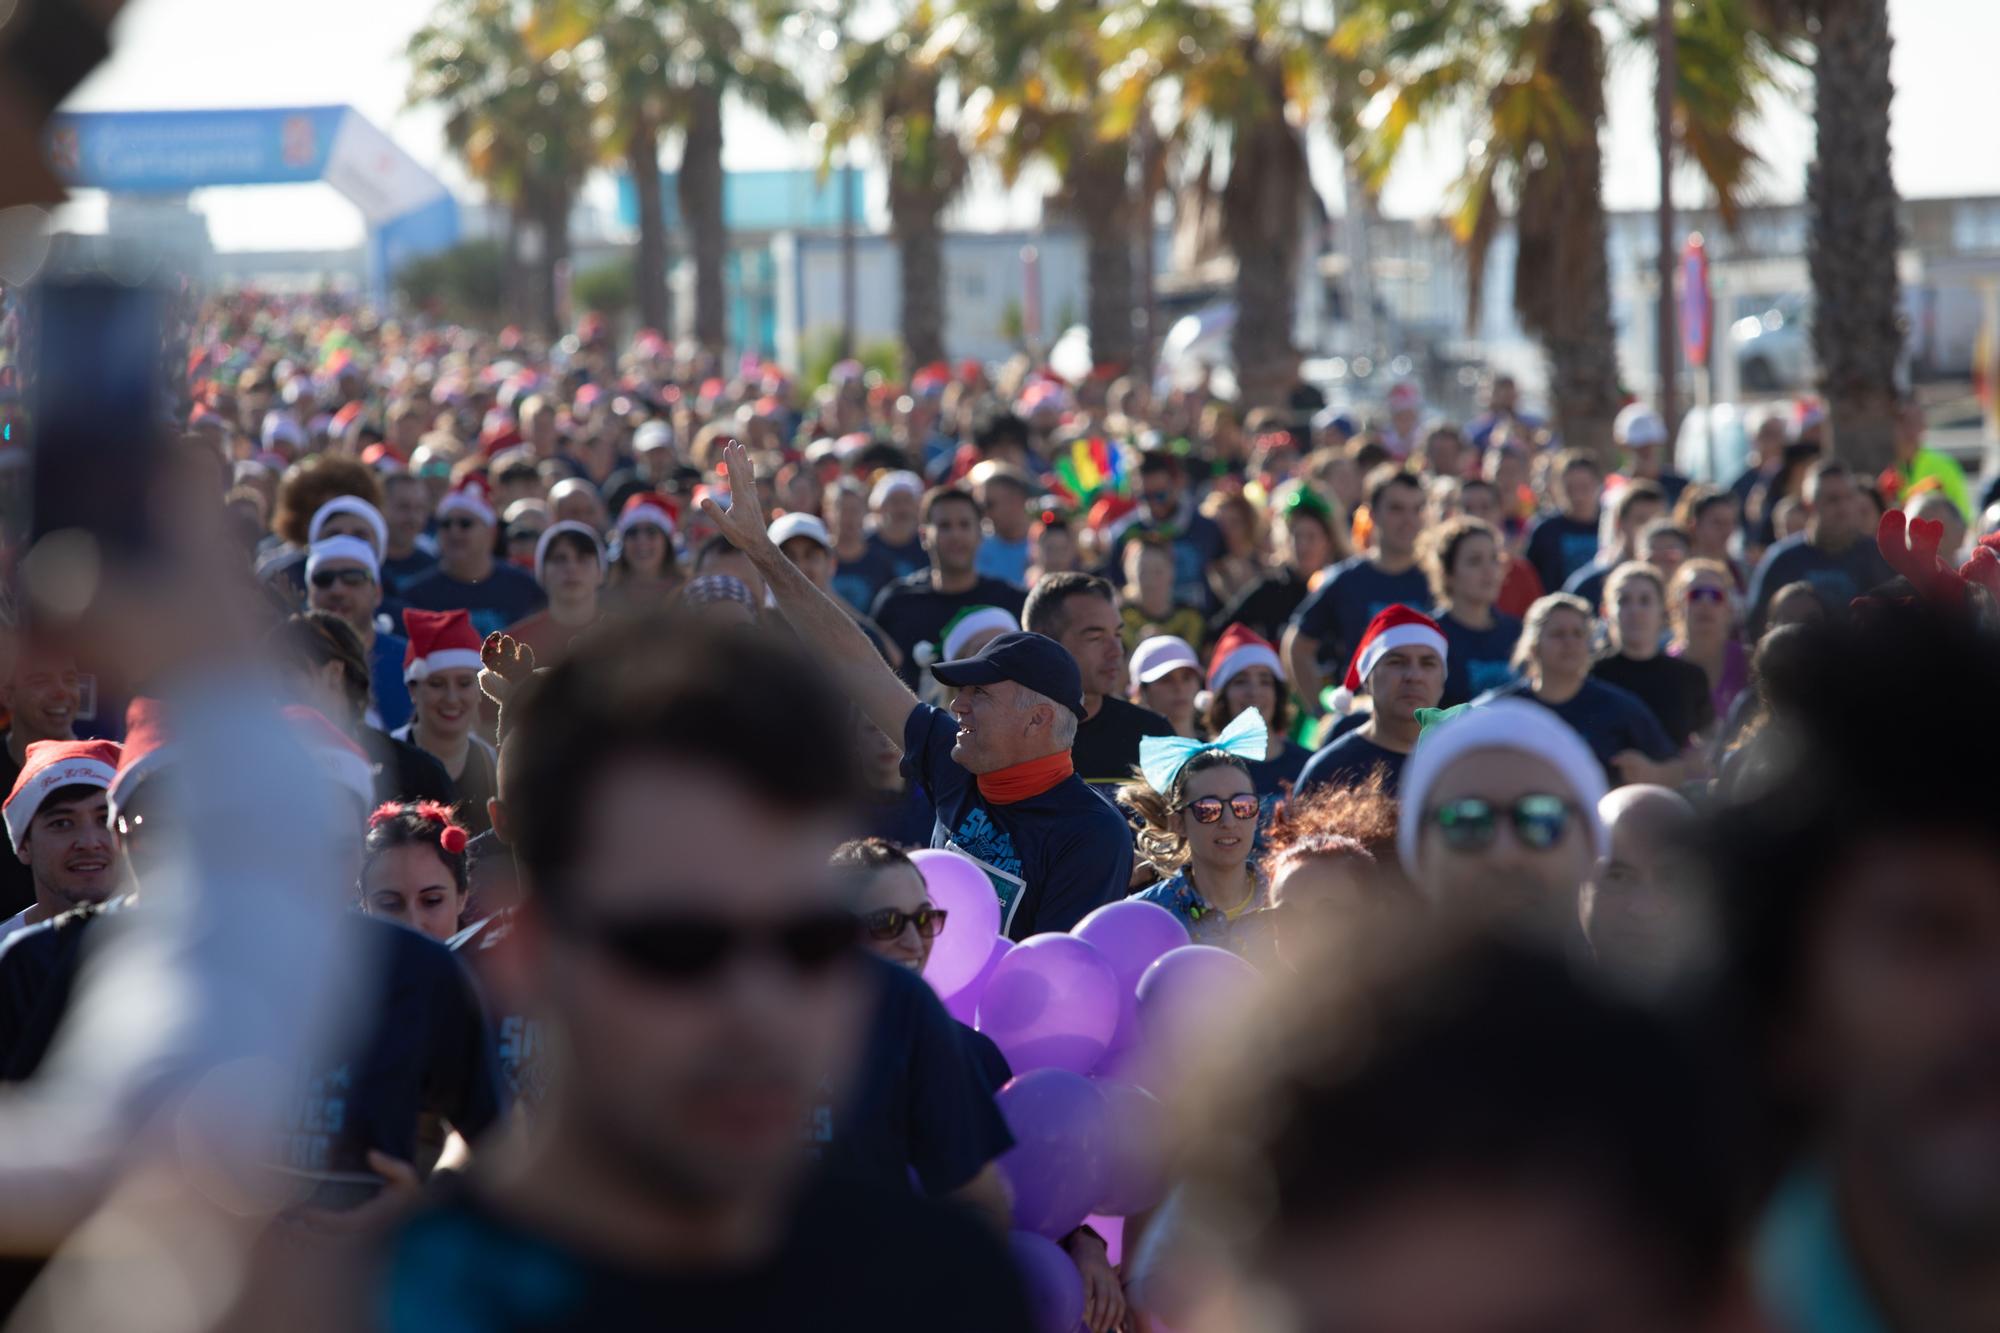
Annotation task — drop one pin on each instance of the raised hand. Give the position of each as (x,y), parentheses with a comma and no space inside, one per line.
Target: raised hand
(505,665)
(743,522)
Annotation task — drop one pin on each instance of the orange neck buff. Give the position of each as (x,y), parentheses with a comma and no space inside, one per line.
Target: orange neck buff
(1017,782)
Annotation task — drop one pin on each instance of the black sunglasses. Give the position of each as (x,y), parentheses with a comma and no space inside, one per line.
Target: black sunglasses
(1706,593)
(457,524)
(1208,809)
(1471,823)
(352,578)
(692,949)
(888,923)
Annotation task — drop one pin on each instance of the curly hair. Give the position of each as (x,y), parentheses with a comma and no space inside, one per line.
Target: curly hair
(1156,840)
(308,485)
(428,824)
(1355,822)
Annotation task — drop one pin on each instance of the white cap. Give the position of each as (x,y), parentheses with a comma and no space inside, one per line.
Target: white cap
(1638,427)
(787,526)
(1162,655)
(891,483)
(548,537)
(652,435)
(361,509)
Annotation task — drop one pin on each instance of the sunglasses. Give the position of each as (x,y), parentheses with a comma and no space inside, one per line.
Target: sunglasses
(888,923)
(1705,593)
(456,524)
(1208,809)
(1471,823)
(692,949)
(346,578)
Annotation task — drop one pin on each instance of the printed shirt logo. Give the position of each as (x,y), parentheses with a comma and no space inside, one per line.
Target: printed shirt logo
(1484,676)
(978,837)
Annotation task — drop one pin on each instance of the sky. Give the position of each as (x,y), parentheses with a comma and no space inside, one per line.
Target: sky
(186,54)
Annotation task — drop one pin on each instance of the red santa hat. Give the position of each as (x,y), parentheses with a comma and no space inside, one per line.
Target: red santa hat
(1240,648)
(648,507)
(344,761)
(52,765)
(470,499)
(147,749)
(439,641)
(1395,626)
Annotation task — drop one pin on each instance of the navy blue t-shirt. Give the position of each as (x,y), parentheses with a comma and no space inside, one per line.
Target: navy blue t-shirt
(401,570)
(1347,599)
(920,1101)
(1479,659)
(1347,762)
(903,560)
(1052,859)
(858,582)
(1271,776)
(911,612)
(1838,579)
(1559,545)
(507,595)
(1610,720)
(1588,582)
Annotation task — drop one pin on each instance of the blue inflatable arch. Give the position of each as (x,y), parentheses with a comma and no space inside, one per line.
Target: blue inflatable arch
(408,210)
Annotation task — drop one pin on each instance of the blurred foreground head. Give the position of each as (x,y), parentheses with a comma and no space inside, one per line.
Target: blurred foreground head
(1860,891)
(674,790)
(1458,1133)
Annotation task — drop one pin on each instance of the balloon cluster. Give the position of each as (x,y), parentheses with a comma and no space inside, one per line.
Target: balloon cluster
(1097,1026)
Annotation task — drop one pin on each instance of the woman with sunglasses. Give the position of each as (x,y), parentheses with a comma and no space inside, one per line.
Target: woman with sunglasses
(1554,659)
(1702,600)
(1200,823)
(1635,612)
(1499,814)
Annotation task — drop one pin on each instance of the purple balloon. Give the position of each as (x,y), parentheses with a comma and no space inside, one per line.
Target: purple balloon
(1188,999)
(1131,934)
(1060,1161)
(964,1004)
(1054,1287)
(1136,1143)
(972,920)
(1052,1003)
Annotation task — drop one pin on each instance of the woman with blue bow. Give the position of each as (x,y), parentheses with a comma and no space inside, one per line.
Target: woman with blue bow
(1200,809)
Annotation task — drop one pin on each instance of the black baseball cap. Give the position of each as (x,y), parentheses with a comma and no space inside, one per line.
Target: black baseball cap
(1033,661)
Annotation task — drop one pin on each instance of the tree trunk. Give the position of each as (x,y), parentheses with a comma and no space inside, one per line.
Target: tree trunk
(1104,204)
(1263,210)
(1857,336)
(701,209)
(649,266)
(514,293)
(555,256)
(915,218)
(1562,279)
(1666,329)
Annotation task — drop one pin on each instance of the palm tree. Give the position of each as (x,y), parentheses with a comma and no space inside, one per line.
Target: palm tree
(891,89)
(1238,85)
(1854,232)
(520,123)
(1037,71)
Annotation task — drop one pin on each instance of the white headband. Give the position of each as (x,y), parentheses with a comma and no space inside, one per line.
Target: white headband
(360,508)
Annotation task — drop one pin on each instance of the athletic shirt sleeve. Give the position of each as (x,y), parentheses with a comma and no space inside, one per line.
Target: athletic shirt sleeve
(928,735)
(1082,871)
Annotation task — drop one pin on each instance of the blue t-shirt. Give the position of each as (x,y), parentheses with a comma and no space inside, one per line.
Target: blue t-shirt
(398,570)
(1838,579)
(1588,582)
(1559,545)
(1347,599)
(506,595)
(1001,559)
(857,582)
(385,681)
(919,1103)
(1610,720)
(903,560)
(1270,777)
(1348,760)
(1052,858)
(1479,659)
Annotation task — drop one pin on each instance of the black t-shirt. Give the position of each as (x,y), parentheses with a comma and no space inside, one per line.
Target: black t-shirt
(1351,596)
(405,773)
(399,571)
(38,967)
(507,595)
(1052,859)
(1107,743)
(852,1258)
(1559,545)
(909,558)
(911,612)
(1675,689)
(1347,762)
(919,1105)
(1266,606)
(987,1058)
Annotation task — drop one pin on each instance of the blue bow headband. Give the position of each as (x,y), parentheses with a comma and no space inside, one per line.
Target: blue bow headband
(1161,758)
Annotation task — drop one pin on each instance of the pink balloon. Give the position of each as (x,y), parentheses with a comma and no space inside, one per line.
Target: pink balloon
(972,920)
(1113,1231)
(1052,1003)
(964,1005)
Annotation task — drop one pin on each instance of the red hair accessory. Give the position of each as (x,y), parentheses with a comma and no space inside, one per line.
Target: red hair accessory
(453,839)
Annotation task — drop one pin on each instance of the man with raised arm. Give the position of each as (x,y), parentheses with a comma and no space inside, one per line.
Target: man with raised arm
(996,764)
